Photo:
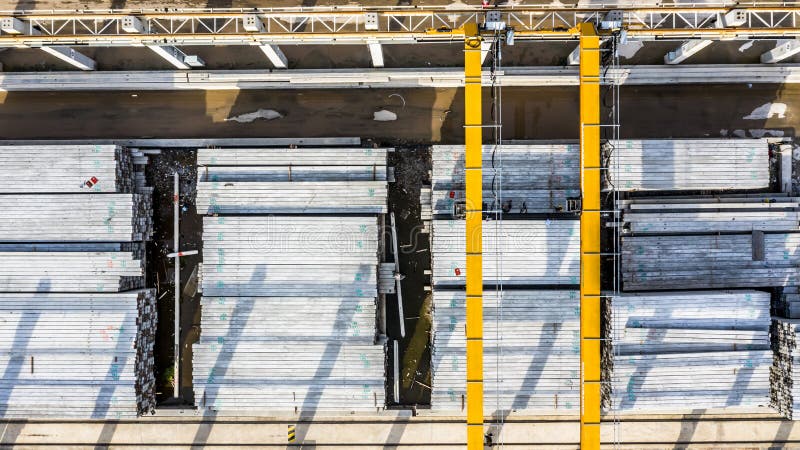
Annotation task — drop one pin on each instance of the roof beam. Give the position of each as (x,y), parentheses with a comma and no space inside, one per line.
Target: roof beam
(783,50)
(275,55)
(172,54)
(71,56)
(376,53)
(12,25)
(686,50)
(486,47)
(253,24)
(574,57)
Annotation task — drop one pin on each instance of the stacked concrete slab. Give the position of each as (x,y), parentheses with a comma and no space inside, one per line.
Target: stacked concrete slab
(289,300)
(530,334)
(710,242)
(75,218)
(77,355)
(66,168)
(292,181)
(687,164)
(687,349)
(517,179)
(738,213)
(531,350)
(515,252)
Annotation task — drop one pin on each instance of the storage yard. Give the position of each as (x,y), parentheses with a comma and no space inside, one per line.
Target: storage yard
(418,225)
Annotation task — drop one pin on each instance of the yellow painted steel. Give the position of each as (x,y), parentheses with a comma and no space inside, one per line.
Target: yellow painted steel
(473,138)
(590,236)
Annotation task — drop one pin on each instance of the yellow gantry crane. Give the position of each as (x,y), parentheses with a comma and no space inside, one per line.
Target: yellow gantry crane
(590,235)
(473,160)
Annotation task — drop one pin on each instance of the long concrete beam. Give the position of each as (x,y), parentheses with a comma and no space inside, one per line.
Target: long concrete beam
(555,432)
(387,78)
(784,49)
(71,56)
(14,26)
(686,51)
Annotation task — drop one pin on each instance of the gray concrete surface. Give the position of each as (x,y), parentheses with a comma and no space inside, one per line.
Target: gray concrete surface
(691,431)
(423,115)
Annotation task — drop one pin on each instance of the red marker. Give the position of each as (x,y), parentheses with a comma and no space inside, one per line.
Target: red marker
(458,271)
(452,194)
(91,182)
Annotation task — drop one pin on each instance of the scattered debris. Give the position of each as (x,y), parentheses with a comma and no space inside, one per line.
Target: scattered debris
(759,133)
(267,114)
(745,46)
(400,97)
(384,116)
(767,110)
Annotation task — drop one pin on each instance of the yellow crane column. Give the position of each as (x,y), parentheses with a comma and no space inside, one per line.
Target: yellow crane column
(590,236)
(473,137)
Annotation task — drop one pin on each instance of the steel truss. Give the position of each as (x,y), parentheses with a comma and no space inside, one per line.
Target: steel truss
(383,25)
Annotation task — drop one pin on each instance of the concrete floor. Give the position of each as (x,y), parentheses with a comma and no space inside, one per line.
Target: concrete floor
(423,115)
(380,432)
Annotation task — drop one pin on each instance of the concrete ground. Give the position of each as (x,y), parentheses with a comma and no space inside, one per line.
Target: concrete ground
(402,432)
(423,115)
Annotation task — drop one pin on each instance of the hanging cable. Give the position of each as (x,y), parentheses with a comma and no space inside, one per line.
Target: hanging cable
(498,211)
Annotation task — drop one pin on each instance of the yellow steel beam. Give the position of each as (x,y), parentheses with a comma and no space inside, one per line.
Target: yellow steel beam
(474,234)
(590,236)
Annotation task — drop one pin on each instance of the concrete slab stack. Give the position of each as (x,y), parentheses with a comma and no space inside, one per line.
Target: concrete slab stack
(531,350)
(66,168)
(75,218)
(289,307)
(77,355)
(516,252)
(289,315)
(70,271)
(292,181)
(710,261)
(687,164)
(684,349)
(532,178)
(711,214)
(290,255)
